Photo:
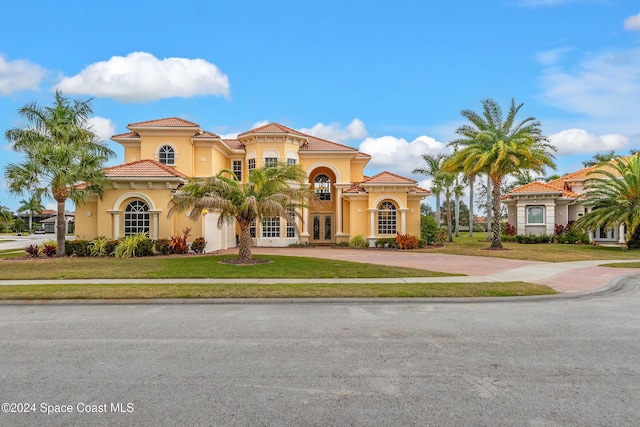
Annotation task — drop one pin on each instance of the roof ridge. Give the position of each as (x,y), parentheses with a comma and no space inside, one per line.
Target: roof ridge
(148,123)
(297,132)
(156,163)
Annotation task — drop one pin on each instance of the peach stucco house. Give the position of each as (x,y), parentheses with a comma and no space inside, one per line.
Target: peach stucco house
(536,208)
(162,154)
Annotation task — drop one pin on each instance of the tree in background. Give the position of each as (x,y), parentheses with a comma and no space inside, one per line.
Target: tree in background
(499,146)
(31,206)
(63,156)
(6,218)
(432,169)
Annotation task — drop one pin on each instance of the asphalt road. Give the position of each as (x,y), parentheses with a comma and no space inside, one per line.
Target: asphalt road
(561,362)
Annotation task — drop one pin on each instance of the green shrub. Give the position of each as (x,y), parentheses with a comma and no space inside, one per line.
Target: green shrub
(134,246)
(358,242)
(339,245)
(429,229)
(634,240)
(386,242)
(80,248)
(198,245)
(98,246)
(533,239)
(162,246)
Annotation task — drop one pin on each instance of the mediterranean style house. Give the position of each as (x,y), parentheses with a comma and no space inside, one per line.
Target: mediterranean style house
(162,154)
(536,208)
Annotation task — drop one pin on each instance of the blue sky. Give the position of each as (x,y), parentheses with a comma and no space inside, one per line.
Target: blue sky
(389,78)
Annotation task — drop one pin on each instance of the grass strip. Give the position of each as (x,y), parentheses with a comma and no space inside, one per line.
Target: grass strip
(338,290)
(201,267)
(622,265)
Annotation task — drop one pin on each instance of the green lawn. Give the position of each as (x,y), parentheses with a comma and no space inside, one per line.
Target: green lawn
(199,267)
(405,290)
(477,246)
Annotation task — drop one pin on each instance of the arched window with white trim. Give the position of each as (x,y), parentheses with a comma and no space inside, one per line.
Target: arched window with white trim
(136,218)
(387,218)
(167,155)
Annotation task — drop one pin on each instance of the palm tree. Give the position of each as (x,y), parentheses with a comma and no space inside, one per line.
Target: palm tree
(458,191)
(6,217)
(432,169)
(613,193)
(31,205)
(498,147)
(64,157)
(270,192)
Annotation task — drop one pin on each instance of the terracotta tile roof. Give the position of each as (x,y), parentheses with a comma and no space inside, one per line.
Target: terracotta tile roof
(234,144)
(541,188)
(143,169)
(385,178)
(206,134)
(169,122)
(127,135)
(389,178)
(313,143)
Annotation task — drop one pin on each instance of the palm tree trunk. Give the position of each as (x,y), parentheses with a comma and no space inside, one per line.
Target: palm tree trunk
(438,217)
(244,251)
(457,219)
(30,222)
(448,202)
(496,240)
(489,208)
(60,229)
(472,179)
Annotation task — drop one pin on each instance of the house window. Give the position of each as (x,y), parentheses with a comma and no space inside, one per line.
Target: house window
(322,187)
(237,169)
(251,164)
(270,161)
(386,218)
(271,226)
(535,215)
(136,218)
(252,228)
(291,162)
(167,155)
(291,225)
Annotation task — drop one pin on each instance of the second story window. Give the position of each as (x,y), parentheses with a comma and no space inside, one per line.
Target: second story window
(322,187)
(167,155)
(251,164)
(237,169)
(270,161)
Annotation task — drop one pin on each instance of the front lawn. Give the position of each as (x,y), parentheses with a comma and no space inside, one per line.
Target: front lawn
(206,266)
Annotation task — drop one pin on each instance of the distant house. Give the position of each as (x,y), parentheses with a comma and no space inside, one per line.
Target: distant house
(162,154)
(537,207)
(49,224)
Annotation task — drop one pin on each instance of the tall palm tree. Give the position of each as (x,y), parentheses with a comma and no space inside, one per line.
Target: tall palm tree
(613,193)
(458,191)
(269,192)
(6,217)
(432,169)
(498,147)
(63,156)
(31,205)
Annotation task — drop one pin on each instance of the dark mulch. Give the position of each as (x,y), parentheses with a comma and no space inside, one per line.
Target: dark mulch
(238,261)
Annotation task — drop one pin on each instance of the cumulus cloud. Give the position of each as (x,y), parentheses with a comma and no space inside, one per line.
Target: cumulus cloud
(399,155)
(632,22)
(606,86)
(141,76)
(334,132)
(19,75)
(104,128)
(573,141)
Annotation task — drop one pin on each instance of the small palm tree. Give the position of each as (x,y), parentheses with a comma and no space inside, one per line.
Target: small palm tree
(498,147)
(6,217)
(432,169)
(270,192)
(64,157)
(31,205)
(613,193)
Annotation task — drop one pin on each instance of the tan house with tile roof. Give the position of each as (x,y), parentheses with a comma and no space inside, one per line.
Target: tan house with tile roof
(536,208)
(161,155)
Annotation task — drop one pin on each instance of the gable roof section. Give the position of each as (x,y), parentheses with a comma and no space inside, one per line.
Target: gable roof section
(541,188)
(313,143)
(142,169)
(169,122)
(386,178)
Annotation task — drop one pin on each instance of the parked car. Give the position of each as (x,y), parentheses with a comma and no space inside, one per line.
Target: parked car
(38,230)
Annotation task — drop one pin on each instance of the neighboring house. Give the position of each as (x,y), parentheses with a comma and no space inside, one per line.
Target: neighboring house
(537,207)
(49,224)
(162,154)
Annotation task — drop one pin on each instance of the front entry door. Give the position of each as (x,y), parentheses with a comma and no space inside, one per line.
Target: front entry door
(322,228)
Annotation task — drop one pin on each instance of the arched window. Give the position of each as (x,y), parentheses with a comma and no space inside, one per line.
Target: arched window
(386,218)
(322,187)
(167,155)
(136,218)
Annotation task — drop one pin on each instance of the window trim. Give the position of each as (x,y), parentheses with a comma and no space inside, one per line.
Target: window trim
(271,227)
(237,173)
(129,227)
(528,215)
(173,152)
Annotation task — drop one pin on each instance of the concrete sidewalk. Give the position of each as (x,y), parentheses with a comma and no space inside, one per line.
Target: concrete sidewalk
(564,277)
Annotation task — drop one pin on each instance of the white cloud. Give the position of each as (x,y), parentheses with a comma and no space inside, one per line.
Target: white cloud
(104,128)
(141,76)
(552,56)
(19,75)
(333,131)
(632,22)
(606,86)
(398,155)
(573,141)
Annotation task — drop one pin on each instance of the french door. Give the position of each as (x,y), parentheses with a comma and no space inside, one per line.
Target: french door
(322,228)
